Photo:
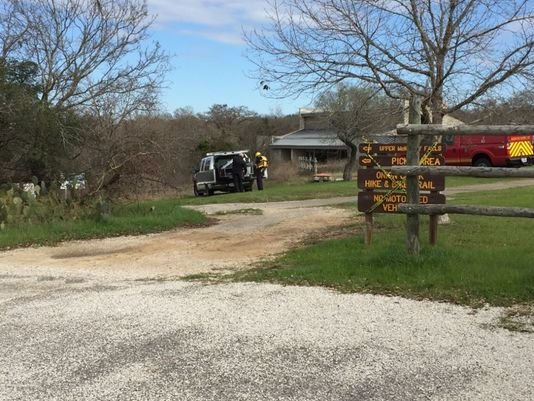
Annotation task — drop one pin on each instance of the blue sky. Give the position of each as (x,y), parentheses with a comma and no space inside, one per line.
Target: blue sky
(205,40)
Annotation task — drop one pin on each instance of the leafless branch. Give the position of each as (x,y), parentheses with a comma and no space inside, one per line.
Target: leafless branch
(450,53)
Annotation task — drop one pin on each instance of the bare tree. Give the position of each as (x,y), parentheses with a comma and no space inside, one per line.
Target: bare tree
(515,109)
(96,68)
(85,50)
(357,112)
(448,52)
(226,118)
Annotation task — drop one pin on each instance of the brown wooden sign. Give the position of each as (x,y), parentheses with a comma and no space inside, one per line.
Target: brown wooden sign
(398,160)
(386,202)
(386,148)
(383,179)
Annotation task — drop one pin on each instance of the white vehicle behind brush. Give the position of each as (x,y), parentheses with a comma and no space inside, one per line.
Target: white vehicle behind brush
(215,173)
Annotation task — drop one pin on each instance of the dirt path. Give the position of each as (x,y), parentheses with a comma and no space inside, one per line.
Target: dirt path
(242,235)
(236,241)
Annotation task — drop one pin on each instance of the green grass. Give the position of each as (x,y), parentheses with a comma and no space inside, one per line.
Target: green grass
(164,214)
(516,197)
(453,181)
(129,219)
(277,192)
(477,259)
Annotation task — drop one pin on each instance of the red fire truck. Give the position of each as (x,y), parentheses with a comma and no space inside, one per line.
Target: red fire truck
(489,150)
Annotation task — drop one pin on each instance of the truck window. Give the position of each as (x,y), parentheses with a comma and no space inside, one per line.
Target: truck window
(222,163)
(448,139)
(205,164)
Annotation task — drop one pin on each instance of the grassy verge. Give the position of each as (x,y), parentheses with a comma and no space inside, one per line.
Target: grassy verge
(277,192)
(477,260)
(130,219)
(453,181)
(164,214)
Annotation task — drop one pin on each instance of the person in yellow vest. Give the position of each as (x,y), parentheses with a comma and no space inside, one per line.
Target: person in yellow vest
(260,166)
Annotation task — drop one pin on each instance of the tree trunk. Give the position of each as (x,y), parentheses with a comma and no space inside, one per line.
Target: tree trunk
(349,166)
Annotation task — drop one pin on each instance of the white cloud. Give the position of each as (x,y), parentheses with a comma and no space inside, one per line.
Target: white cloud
(223,36)
(219,20)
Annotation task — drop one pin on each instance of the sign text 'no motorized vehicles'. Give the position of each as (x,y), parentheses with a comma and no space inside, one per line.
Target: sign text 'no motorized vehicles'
(381,202)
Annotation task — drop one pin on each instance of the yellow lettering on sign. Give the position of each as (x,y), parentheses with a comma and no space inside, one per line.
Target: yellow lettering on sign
(426,185)
(380,175)
(431,161)
(383,175)
(396,198)
(434,148)
(390,207)
(398,161)
(372,184)
(386,148)
(400,184)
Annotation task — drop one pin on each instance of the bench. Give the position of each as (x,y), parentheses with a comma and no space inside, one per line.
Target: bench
(322,177)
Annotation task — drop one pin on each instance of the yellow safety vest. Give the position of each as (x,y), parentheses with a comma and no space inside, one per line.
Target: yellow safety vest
(262,163)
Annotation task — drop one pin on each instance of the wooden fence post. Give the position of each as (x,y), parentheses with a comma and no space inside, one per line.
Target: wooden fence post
(412,181)
(368,229)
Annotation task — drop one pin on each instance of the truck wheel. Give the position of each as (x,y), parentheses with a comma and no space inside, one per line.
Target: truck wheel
(482,161)
(195,189)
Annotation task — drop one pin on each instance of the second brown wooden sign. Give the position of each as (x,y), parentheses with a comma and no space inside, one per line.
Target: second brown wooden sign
(384,179)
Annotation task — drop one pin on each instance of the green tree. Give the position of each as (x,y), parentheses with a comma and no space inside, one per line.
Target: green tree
(229,127)
(26,148)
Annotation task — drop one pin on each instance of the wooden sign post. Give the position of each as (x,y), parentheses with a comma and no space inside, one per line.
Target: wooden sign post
(383,191)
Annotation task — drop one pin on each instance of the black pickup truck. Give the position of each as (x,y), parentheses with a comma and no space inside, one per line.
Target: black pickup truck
(215,173)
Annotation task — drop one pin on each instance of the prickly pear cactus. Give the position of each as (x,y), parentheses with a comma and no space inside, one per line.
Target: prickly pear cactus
(3,213)
(15,209)
(17,205)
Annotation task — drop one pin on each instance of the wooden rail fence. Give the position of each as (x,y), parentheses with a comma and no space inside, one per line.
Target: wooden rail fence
(412,170)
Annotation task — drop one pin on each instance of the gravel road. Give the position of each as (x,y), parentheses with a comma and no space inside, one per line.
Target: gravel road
(112,320)
(81,340)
